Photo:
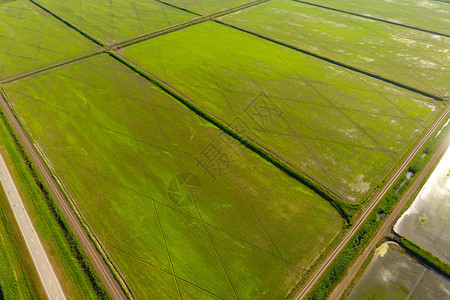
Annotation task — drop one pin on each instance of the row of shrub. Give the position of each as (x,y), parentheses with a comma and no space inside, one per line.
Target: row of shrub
(426,257)
(73,243)
(337,270)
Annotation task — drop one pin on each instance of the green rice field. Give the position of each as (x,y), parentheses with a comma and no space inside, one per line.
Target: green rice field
(393,274)
(217,149)
(207,7)
(343,129)
(117,20)
(117,143)
(424,14)
(31,39)
(417,59)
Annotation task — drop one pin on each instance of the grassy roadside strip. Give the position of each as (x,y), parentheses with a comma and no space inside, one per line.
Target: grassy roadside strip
(70,252)
(88,231)
(337,270)
(9,285)
(14,253)
(337,63)
(345,209)
(125,288)
(425,257)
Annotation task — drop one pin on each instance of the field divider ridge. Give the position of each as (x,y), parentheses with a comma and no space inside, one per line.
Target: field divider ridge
(327,263)
(69,24)
(176,27)
(51,67)
(386,226)
(336,62)
(345,209)
(372,18)
(178,7)
(84,235)
(121,44)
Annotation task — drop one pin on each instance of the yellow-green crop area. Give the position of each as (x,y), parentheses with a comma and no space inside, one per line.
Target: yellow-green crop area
(117,20)
(122,148)
(31,38)
(344,129)
(218,157)
(415,58)
(207,7)
(425,14)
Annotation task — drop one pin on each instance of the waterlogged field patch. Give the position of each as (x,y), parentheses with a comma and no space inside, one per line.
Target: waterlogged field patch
(425,14)
(415,58)
(393,274)
(181,209)
(117,20)
(426,222)
(207,7)
(32,39)
(341,128)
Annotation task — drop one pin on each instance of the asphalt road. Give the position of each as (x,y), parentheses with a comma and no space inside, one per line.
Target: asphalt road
(40,259)
(88,245)
(320,270)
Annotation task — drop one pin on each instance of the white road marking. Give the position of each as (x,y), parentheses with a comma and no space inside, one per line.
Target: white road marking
(40,259)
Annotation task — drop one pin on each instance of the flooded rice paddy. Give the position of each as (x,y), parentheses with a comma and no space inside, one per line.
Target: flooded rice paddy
(426,222)
(393,274)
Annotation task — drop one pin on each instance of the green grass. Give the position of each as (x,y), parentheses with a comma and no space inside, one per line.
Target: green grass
(343,129)
(428,15)
(117,20)
(117,146)
(10,264)
(426,257)
(69,261)
(414,58)
(31,39)
(351,251)
(18,276)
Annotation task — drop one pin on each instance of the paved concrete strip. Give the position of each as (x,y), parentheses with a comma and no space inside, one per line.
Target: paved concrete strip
(40,259)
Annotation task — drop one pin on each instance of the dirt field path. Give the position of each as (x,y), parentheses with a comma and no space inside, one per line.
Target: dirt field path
(390,220)
(40,259)
(96,258)
(317,274)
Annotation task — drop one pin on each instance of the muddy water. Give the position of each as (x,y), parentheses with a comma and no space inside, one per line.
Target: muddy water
(427,221)
(393,274)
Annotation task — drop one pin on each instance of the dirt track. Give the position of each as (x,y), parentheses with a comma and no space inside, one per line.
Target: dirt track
(317,274)
(391,219)
(99,264)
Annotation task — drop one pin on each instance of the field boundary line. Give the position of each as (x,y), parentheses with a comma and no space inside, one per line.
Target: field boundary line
(50,68)
(68,209)
(419,180)
(178,7)
(319,272)
(373,18)
(335,62)
(69,24)
(345,209)
(121,44)
(176,27)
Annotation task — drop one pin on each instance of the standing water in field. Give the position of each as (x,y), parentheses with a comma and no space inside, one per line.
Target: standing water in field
(426,222)
(393,274)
